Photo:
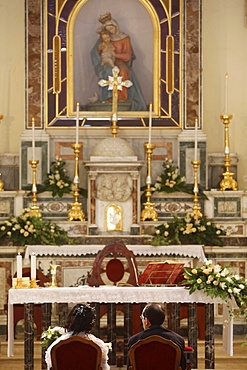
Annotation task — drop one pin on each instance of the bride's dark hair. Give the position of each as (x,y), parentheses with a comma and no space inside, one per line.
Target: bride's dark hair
(81,318)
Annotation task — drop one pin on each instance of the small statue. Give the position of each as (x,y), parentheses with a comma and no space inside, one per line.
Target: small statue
(106,49)
(1,183)
(118,48)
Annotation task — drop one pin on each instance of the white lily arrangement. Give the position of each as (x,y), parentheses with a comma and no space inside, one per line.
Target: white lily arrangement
(50,335)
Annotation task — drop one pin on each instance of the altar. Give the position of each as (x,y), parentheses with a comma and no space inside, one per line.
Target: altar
(113,295)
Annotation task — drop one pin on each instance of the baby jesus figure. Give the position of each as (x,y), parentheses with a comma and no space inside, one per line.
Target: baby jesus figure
(106,50)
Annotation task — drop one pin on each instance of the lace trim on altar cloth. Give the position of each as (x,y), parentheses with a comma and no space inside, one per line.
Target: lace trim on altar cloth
(194,251)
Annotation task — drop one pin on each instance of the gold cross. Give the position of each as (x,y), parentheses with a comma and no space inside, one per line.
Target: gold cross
(115,83)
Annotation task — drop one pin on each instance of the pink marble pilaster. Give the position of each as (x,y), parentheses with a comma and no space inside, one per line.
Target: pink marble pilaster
(192,61)
(34,61)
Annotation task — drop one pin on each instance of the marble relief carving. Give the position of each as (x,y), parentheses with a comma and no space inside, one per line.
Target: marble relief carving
(227,207)
(114,187)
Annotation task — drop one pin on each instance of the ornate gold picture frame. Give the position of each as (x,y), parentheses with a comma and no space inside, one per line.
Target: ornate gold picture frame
(71,77)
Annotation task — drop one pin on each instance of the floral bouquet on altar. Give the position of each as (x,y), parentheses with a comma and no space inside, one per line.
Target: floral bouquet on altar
(50,335)
(190,229)
(57,181)
(171,180)
(27,229)
(218,281)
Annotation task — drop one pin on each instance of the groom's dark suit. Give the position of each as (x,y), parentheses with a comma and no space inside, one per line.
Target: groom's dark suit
(163,332)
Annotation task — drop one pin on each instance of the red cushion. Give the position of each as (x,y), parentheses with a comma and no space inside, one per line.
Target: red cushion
(188,348)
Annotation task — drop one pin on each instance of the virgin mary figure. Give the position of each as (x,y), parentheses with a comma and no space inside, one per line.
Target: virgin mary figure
(124,56)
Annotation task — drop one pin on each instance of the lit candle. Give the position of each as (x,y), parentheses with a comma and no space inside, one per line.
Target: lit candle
(196,126)
(33,266)
(77,123)
(150,124)
(33,139)
(19,265)
(226,94)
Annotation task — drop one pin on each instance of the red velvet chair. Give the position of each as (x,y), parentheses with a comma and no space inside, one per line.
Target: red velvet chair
(155,353)
(76,353)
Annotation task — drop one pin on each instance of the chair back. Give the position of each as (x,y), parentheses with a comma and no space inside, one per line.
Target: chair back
(114,264)
(155,353)
(76,353)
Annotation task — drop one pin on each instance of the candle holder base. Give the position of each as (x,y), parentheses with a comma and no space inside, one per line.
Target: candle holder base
(228,183)
(19,284)
(76,213)
(196,209)
(34,212)
(148,213)
(33,283)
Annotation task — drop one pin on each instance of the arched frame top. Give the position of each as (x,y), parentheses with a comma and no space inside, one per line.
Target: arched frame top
(69,76)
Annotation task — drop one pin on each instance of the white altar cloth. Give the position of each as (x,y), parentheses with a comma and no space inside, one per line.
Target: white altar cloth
(106,294)
(195,251)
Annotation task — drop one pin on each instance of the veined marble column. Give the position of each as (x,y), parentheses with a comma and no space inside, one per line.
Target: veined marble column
(174,316)
(46,322)
(111,331)
(209,336)
(62,313)
(128,319)
(193,332)
(92,199)
(29,336)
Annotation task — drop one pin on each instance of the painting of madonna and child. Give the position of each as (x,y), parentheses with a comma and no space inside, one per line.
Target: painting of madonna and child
(104,39)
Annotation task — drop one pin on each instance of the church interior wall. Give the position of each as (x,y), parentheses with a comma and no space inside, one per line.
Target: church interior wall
(12,74)
(224,51)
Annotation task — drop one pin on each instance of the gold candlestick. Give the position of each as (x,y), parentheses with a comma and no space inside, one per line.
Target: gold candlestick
(34,209)
(33,283)
(19,284)
(148,213)
(196,207)
(228,181)
(53,270)
(76,213)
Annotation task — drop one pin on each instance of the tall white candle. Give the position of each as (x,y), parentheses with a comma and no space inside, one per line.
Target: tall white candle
(77,123)
(33,266)
(226,94)
(196,139)
(19,265)
(150,124)
(33,139)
